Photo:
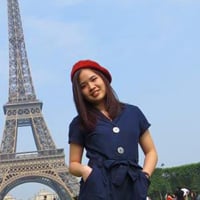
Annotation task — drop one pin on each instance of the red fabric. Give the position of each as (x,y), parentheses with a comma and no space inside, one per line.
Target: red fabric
(90,64)
(169,197)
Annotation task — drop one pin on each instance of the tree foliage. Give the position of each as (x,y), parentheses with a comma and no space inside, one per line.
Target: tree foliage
(167,180)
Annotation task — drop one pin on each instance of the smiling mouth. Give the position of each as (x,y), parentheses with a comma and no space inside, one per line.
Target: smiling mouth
(95,93)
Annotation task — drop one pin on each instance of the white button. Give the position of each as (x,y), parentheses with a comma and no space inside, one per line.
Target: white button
(116,129)
(120,150)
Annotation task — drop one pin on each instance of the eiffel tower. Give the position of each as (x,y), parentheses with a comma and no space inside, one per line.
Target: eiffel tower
(47,164)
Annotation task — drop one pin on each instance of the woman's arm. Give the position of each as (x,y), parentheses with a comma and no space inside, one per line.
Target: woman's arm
(75,158)
(150,152)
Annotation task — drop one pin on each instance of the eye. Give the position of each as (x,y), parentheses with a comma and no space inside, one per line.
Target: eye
(93,78)
(82,86)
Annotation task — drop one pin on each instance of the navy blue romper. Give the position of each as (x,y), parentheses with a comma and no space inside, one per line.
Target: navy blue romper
(112,150)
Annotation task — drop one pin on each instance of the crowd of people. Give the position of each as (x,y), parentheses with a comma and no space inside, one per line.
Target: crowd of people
(182,194)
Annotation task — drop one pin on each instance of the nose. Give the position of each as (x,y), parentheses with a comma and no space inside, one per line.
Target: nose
(91,86)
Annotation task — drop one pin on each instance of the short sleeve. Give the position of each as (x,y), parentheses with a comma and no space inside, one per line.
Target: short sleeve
(75,135)
(143,122)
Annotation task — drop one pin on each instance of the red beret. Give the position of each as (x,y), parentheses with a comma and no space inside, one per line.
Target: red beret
(92,65)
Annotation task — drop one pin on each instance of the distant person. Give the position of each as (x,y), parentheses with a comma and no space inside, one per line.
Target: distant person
(169,196)
(193,195)
(179,194)
(110,132)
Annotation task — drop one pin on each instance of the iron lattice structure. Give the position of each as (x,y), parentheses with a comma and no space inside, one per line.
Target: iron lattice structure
(47,164)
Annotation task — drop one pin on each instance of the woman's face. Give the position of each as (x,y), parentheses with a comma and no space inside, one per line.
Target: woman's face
(92,86)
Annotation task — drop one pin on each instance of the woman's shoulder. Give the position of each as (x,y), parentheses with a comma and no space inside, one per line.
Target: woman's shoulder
(131,106)
(136,112)
(76,125)
(75,121)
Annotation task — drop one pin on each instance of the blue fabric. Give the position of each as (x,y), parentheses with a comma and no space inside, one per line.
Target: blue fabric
(116,174)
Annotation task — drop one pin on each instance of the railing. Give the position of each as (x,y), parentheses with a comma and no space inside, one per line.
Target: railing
(31,154)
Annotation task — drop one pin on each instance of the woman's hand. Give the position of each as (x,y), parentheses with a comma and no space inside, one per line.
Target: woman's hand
(86,171)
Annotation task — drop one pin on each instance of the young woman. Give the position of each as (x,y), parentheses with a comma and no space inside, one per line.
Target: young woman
(110,132)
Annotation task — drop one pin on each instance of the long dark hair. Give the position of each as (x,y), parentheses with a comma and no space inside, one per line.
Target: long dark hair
(87,113)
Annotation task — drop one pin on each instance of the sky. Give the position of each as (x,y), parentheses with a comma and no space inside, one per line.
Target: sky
(151,49)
